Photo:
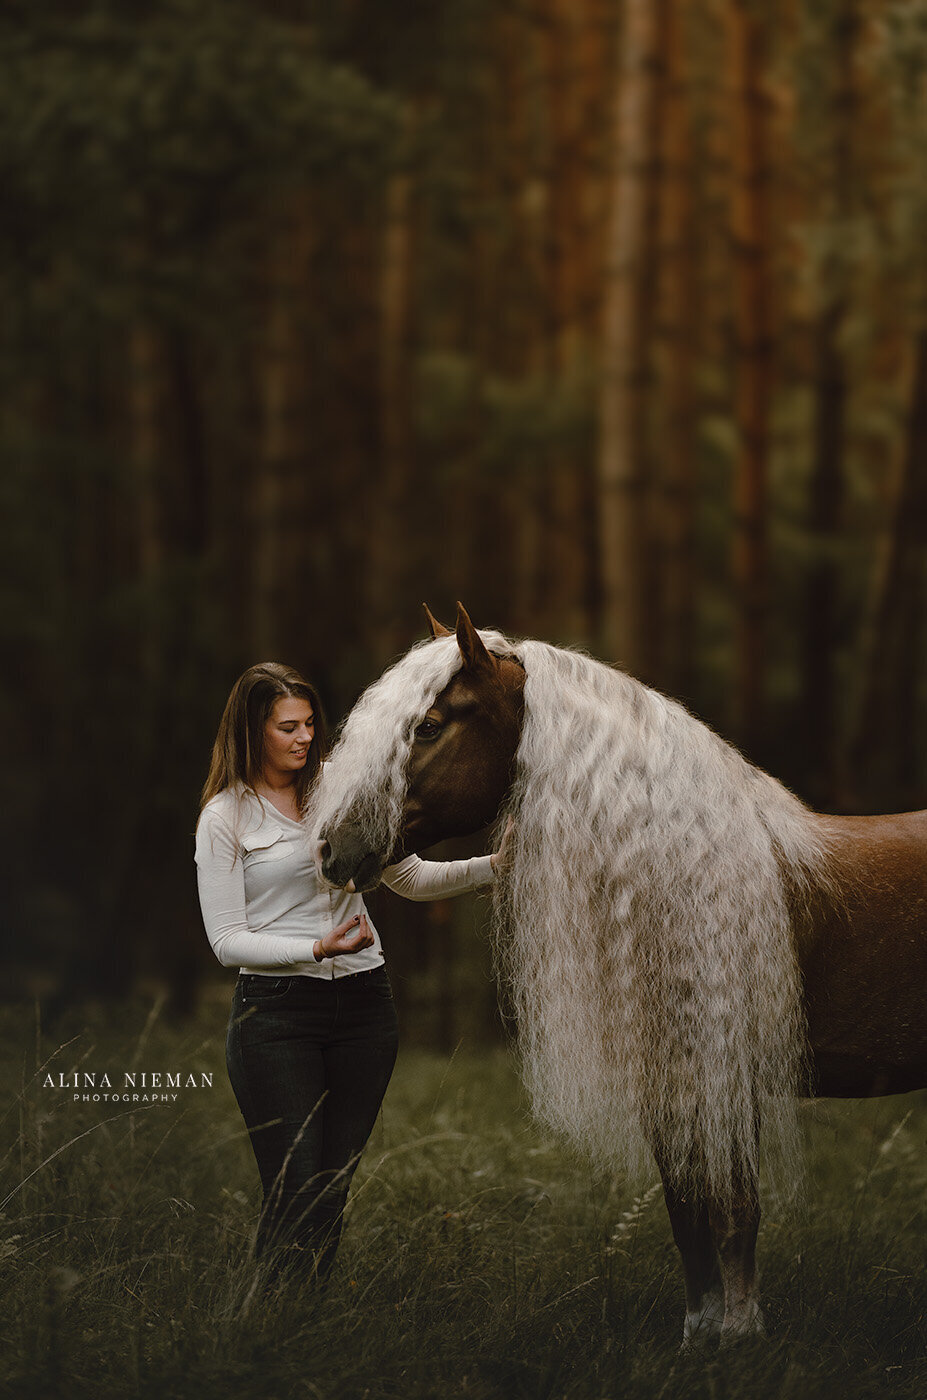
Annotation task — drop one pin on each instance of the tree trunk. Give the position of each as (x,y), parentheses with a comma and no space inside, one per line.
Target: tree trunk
(111,962)
(563,603)
(394,535)
(514,182)
(679,334)
(273,370)
(750,207)
(818,620)
(280,484)
(622,479)
(144,414)
(819,705)
(884,734)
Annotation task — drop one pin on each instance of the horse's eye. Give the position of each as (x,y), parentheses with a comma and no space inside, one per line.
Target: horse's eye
(427,729)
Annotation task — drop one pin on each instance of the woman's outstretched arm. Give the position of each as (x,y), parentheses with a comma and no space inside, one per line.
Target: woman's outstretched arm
(415,878)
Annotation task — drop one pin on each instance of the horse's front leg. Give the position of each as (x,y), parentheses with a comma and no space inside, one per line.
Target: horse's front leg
(693,1235)
(735,1232)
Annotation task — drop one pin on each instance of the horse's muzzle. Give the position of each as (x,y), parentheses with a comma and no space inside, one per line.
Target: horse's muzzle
(349,864)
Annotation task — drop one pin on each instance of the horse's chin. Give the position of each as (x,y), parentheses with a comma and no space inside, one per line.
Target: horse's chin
(355,871)
(367,875)
(418,835)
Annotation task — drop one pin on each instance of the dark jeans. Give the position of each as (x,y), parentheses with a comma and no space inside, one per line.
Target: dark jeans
(309,1059)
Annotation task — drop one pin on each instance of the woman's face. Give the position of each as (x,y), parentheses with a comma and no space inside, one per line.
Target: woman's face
(287,735)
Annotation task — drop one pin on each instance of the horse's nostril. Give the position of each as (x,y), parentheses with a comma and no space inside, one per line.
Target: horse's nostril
(324,850)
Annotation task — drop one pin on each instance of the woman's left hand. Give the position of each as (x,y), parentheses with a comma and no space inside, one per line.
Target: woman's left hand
(349,937)
(501,859)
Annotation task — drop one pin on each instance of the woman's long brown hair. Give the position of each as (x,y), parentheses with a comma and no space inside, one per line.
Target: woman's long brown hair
(238,753)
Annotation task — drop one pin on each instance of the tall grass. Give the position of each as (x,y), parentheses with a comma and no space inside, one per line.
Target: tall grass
(480,1258)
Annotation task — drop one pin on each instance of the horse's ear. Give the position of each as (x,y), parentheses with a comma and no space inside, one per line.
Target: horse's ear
(437,628)
(475,656)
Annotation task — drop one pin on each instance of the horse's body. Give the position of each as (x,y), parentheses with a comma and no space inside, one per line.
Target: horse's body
(688,945)
(864,962)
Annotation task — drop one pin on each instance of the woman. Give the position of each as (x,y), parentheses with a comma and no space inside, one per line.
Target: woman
(312,1033)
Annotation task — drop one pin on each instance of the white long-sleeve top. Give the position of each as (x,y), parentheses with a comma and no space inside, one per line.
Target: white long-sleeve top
(263,906)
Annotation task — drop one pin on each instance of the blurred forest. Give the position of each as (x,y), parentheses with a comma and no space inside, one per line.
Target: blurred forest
(608,317)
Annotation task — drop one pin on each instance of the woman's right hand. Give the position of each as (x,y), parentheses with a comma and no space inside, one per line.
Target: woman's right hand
(349,937)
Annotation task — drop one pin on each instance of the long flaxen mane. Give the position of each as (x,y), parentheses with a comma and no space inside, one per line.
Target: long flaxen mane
(645,925)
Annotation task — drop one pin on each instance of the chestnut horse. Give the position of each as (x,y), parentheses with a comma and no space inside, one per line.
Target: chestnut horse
(689,946)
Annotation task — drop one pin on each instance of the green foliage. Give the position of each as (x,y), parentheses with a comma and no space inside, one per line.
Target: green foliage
(480,1258)
(181,111)
(143,146)
(506,426)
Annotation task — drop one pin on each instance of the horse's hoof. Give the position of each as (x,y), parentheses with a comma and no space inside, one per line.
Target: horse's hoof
(696,1345)
(703,1325)
(749,1327)
(698,1341)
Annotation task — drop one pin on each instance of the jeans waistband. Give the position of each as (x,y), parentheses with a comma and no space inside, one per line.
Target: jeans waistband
(301,979)
(378,971)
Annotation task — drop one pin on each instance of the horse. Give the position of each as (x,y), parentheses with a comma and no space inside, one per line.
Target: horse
(690,948)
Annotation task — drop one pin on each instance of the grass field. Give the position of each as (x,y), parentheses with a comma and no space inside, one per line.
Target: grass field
(480,1259)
